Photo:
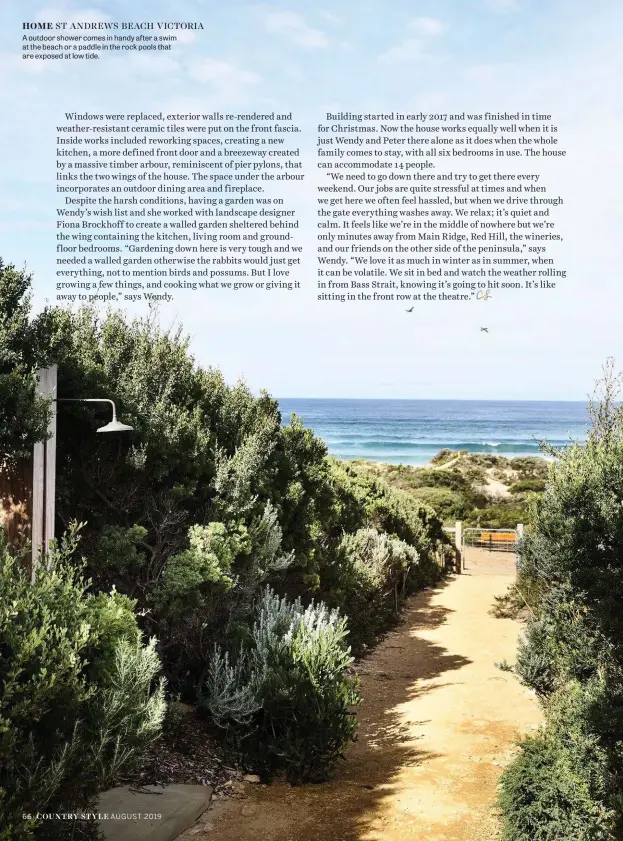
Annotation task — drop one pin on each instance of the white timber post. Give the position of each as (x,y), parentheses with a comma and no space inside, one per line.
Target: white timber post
(458,542)
(44,474)
(519,536)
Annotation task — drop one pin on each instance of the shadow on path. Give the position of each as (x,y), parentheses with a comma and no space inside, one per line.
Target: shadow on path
(404,666)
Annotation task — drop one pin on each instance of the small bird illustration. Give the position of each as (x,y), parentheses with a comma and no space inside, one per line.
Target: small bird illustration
(484,329)
(411,310)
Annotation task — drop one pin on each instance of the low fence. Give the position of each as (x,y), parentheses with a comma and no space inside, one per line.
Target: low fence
(493,540)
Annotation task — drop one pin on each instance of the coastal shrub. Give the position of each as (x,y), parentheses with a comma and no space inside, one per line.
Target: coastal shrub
(530,467)
(551,793)
(373,576)
(370,578)
(366,499)
(565,784)
(408,477)
(426,478)
(572,651)
(447,504)
(460,491)
(498,516)
(561,642)
(573,552)
(527,485)
(444,456)
(79,693)
(287,697)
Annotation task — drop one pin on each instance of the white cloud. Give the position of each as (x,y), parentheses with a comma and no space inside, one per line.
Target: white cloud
(11,64)
(425,26)
(151,64)
(405,51)
(413,47)
(482,72)
(228,79)
(294,27)
(503,5)
(86,16)
(185,36)
(330,17)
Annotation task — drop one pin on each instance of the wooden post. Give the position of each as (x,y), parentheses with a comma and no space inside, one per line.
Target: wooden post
(458,542)
(44,474)
(519,536)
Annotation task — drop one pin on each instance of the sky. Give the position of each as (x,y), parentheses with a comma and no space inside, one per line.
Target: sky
(560,57)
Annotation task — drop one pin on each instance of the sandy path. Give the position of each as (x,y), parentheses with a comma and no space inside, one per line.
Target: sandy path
(437,725)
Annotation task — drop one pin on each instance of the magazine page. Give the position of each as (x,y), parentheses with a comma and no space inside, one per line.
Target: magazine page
(311,446)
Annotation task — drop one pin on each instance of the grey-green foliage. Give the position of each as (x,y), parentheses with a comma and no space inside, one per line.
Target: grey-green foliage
(287,697)
(236,475)
(373,574)
(448,504)
(546,795)
(213,584)
(566,783)
(79,691)
(379,562)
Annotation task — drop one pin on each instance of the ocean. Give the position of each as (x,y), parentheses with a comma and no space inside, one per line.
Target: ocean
(413,431)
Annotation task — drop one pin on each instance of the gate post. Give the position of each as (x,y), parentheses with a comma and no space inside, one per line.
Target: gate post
(458,542)
(519,536)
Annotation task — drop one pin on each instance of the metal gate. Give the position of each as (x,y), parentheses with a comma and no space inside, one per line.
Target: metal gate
(481,542)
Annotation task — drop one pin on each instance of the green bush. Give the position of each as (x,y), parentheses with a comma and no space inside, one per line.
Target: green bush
(287,697)
(567,783)
(445,455)
(365,499)
(447,504)
(408,478)
(530,467)
(498,516)
(371,582)
(426,478)
(528,485)
(211,498)
(79,696)
(547,794)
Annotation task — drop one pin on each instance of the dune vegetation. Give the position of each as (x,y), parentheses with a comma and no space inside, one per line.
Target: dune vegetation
(479,489)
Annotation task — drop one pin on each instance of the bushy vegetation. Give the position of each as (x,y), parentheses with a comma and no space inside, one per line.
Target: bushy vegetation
(457,486)
(371,580)
(210,501)
(79,693)
(23,416)
(446,455)
(567,781)
(287,697)
(536,485)
(211,498)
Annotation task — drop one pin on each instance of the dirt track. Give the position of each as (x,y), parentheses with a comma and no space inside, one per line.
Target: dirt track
(438,723)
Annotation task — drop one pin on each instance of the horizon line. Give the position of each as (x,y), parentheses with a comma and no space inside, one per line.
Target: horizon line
(443,399)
